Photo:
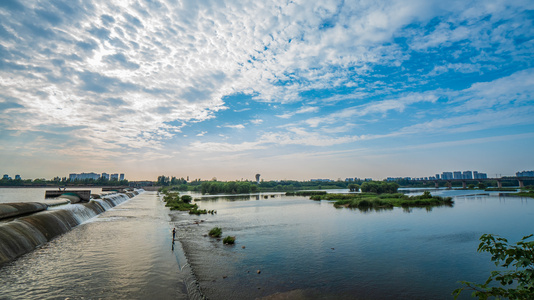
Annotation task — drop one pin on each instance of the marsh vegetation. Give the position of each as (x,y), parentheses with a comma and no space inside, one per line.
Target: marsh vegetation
(367,201)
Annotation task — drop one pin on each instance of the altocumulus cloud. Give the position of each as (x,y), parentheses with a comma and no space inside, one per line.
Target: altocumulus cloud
(163,66)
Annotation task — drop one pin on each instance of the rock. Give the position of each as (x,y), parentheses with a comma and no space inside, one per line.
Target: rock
(259,271)
(243,247)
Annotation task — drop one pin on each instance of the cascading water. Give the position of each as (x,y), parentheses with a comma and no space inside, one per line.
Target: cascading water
(24,234)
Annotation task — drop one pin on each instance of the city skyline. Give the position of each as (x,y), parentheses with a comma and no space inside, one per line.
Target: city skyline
(291,90)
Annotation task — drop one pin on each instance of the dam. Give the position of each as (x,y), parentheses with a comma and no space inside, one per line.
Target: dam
(26,226)
(123,253)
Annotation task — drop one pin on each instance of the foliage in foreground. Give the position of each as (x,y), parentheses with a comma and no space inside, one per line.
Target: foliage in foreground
(521,280)
(366,201)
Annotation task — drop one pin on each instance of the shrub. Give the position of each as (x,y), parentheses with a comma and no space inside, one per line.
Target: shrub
(229,240)
(215,232)
(187,198)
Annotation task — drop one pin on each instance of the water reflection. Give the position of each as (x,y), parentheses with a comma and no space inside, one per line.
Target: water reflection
(373,253)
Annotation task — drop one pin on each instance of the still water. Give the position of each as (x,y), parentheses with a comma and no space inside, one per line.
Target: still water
(302,249)
(124,253)
(310,249)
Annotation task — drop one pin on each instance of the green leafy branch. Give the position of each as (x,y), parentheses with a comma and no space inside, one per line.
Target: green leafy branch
(520,256)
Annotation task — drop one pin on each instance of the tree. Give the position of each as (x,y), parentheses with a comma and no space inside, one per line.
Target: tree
(353,187)
(481,186)
(520,255)
(187,198)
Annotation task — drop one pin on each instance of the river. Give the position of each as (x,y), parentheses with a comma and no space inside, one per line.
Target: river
(310,250)
(124,253)
(286,248)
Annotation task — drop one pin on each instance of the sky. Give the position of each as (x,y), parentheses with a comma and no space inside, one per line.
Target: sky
(287,89)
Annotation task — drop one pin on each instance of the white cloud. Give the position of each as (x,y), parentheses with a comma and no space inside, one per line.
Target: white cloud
(237,126)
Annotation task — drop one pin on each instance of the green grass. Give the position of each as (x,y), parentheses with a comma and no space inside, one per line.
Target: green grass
(524,193)
(215,232)
(229,240)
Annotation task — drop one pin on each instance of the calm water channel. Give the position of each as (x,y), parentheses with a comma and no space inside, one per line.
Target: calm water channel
(303,249)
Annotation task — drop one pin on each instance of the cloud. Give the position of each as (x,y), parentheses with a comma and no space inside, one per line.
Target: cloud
(331,68)
(302,110)
(237,126)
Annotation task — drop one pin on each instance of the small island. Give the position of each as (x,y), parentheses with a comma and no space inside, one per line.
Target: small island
(383,195)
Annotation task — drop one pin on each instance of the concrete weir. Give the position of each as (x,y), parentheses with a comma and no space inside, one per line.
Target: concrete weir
(31,225)
(10,210)
(82,195)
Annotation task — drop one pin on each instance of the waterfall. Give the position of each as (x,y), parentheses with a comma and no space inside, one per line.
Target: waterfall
(24,234)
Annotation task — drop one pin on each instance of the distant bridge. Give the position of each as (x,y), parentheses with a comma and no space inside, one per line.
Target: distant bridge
(464,182)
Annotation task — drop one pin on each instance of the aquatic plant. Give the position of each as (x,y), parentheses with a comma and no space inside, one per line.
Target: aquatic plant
(215,232)
(229,240)
(196,211)
(187,198)
(366,201)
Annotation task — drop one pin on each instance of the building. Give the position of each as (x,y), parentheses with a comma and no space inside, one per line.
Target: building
(114,177)
(467,175)
(17,177)
(6,177)
(446,175)
(105,176)
(321,180)
(456,175)
(121,177)
(525,174)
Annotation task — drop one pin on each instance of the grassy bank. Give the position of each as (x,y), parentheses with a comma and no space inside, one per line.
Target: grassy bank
(366,201)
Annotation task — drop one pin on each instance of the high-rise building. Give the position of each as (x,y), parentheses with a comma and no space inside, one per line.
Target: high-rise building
(105,176)
(525,174)
(114,177)
(467,175)
(456,175)
(446,175)
(121,177)
(17,177)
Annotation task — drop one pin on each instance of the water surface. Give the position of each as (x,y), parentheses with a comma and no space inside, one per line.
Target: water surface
(311,249)
(124,253)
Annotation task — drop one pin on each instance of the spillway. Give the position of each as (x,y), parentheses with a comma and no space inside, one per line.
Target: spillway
(24,234)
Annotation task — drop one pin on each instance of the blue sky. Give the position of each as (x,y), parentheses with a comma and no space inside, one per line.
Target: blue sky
(287,89)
